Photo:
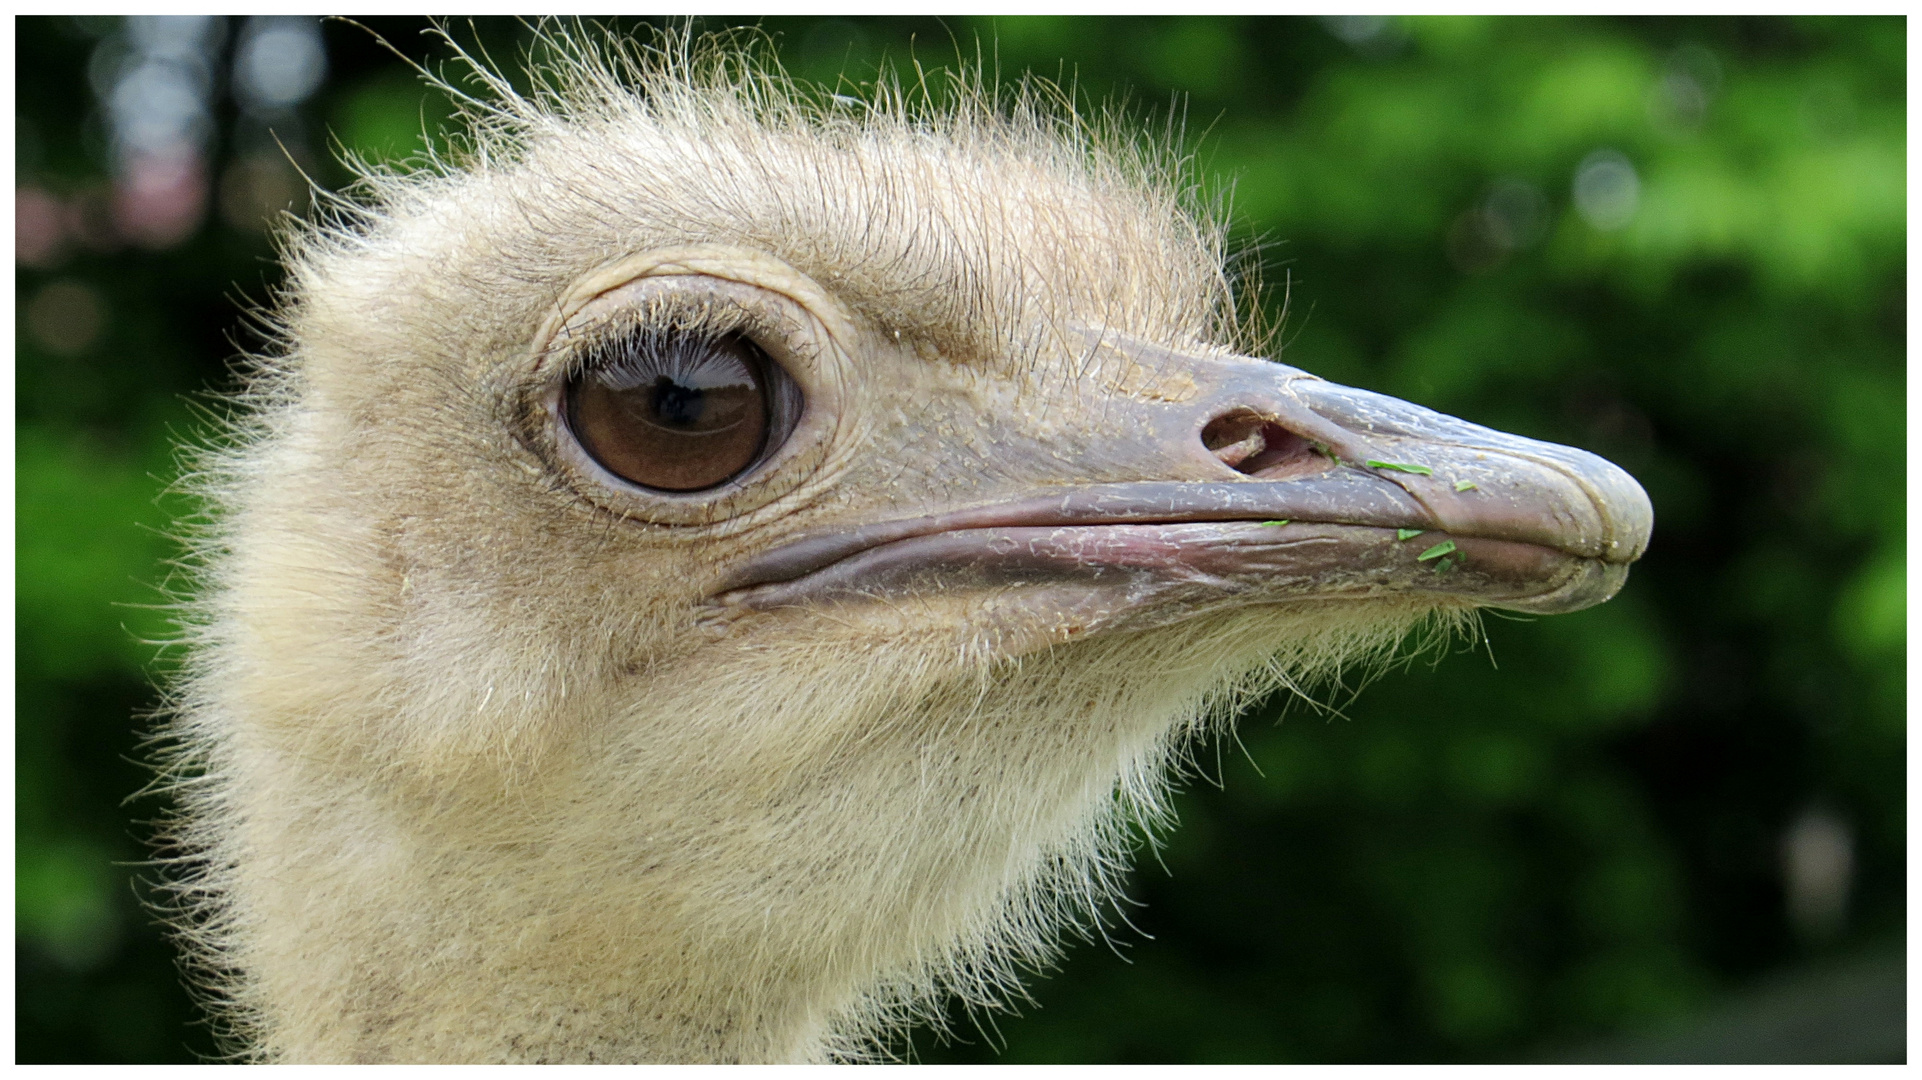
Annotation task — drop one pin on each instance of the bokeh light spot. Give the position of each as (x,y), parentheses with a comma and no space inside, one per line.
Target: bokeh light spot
(1607,190)
(280,62)
(255,190)
(1818,871)
(66,317)
(39,227)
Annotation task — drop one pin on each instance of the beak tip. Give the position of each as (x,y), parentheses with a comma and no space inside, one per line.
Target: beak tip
(1625,507)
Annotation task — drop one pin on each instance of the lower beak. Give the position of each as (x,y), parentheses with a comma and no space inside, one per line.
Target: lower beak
(1321,491)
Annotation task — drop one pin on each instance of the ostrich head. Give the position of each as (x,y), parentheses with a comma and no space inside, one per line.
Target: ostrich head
(713,569)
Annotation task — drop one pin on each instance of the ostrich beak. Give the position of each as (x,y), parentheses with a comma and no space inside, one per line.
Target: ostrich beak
(1313,490)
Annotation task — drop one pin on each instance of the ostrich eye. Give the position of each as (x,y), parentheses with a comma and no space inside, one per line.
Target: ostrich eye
(680,412)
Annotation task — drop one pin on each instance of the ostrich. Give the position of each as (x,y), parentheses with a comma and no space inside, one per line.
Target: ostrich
(713,569)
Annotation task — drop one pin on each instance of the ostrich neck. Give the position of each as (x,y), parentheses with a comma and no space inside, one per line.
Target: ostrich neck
(633,901)
(511,934)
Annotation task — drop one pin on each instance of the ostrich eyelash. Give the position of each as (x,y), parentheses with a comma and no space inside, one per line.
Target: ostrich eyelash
(624,360)
(669,325)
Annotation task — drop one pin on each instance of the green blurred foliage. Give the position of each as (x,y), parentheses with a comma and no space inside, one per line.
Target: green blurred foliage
(1570,829)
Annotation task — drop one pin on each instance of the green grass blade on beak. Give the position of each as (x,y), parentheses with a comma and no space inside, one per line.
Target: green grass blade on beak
(1419,470)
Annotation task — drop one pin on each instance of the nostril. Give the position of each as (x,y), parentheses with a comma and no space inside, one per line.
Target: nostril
(1252,444)
(1235,438)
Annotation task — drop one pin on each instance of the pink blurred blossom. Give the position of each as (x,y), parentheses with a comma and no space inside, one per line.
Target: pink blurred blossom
(159,200)
(39,227)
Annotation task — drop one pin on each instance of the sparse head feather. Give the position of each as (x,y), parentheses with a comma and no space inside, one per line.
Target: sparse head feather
(461,776)
(904,201)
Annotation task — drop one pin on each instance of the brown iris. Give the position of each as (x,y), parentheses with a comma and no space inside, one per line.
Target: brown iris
(674,412)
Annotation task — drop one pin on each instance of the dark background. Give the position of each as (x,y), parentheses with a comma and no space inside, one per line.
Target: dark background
(1678,243)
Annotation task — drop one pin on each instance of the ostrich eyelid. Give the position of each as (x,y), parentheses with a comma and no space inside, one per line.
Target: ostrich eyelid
(718,265)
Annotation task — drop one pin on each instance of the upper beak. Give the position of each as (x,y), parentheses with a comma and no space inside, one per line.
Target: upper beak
(1468,479)
(1352,477)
